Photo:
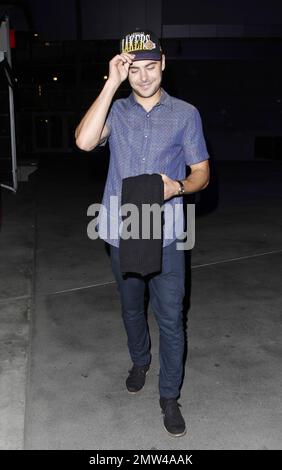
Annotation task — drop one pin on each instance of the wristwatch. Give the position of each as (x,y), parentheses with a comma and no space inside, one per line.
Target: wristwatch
(181,189)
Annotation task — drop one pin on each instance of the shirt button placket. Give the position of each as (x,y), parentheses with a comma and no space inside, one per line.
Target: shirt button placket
(146,130)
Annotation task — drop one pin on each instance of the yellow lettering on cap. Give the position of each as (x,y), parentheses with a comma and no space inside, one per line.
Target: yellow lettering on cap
(130,45)
(136,42)
(141,43)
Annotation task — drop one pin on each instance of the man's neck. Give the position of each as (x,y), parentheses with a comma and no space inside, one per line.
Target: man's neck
(148,103)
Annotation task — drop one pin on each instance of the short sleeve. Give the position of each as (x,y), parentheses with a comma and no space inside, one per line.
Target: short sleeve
(108,123)
(194,145)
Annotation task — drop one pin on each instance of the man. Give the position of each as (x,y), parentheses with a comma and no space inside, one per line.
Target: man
(149,132)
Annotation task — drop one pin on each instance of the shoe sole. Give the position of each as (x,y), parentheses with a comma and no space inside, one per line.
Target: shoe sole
(134,393)
(176,435)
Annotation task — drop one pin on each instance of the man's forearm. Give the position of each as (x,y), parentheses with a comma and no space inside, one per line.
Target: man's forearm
(196,181)
(89,130)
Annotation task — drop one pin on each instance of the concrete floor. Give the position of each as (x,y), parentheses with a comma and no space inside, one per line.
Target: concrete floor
(63,353)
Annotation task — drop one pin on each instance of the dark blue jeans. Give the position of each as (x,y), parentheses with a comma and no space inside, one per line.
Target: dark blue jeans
(166,290)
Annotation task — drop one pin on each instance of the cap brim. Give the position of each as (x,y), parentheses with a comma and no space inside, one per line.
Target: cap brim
(146,55)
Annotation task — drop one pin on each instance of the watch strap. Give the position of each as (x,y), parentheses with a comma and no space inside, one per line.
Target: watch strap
(181,189)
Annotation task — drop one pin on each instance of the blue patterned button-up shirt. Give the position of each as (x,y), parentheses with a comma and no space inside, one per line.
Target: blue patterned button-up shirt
(163,140)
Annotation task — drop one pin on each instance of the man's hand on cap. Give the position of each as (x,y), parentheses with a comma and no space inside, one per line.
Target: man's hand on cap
(119,67)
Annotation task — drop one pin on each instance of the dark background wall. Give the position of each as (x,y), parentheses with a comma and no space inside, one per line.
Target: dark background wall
(222,56)
(56,19)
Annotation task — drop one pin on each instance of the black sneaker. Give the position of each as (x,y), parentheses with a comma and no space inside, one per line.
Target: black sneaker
(136,379)
(173,419)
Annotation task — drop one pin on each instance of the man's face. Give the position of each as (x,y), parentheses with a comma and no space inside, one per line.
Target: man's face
(145,76)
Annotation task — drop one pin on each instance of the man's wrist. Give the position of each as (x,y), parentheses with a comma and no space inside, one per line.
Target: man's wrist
(111,85)
(180,188)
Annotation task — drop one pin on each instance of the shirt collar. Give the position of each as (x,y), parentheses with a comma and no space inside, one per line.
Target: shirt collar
(164,100)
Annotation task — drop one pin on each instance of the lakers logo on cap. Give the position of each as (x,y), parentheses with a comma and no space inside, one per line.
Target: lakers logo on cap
(137,42)
(149,45)
(143,43)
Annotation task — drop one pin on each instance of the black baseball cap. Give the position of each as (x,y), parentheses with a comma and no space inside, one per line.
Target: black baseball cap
(143,43)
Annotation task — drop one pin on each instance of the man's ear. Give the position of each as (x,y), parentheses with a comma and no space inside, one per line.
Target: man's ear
(163,62)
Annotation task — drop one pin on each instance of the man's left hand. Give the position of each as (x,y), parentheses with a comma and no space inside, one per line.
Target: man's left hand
(170,187)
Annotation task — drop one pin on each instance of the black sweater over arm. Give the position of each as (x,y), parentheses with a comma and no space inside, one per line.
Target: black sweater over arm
(142,256)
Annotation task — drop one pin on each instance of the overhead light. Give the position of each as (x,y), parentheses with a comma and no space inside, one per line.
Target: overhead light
(55,79)
(105,77)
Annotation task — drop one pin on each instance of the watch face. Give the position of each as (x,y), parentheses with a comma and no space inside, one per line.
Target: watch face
(181,189)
